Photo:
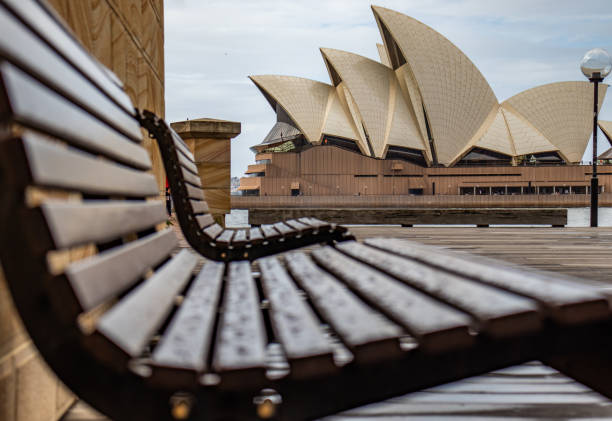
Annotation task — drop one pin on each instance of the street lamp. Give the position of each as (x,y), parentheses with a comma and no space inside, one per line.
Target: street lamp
(595,65)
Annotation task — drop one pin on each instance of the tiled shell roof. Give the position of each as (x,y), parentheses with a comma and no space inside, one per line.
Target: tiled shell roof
(424,90)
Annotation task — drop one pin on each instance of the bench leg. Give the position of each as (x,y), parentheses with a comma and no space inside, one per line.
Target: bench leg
(590,365)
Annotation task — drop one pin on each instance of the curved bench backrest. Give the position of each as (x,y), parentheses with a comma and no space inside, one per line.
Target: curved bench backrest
(80,223)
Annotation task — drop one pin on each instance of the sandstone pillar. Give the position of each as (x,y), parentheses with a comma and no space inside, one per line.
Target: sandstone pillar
(209,140)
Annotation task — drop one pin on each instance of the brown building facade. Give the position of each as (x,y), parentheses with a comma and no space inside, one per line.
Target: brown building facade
(333,171)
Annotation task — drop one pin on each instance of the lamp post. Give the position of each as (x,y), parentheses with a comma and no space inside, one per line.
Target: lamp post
(595,65)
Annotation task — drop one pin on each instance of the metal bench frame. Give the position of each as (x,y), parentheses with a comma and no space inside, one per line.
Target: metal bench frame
(200,229)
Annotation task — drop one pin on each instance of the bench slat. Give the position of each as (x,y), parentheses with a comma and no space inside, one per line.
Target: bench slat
(194,192)
(269,232)
(298,226)
(191,178)
(565,301)
(34,105)
(213,231)
(239,355)
(498,312)
(42,22)
(187,164)
(26,50)
(205,220)
(131,322)
(225,237)
(105,275)
(308,350)
(180,145)
(313,222)
(53,165)
(185,343)
(240,238)
(73,224)
(283,228)
(255,235)
(199,206)
(436,325)
(365,332)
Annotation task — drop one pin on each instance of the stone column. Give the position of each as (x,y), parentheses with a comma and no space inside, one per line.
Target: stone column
(209,140)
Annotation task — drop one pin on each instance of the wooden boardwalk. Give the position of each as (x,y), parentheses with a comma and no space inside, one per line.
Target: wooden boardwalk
(527,392)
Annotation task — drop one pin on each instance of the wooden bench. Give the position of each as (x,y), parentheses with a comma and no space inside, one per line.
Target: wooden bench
(136,331)
(200,229)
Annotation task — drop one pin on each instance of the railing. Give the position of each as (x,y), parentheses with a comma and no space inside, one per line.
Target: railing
(437,201)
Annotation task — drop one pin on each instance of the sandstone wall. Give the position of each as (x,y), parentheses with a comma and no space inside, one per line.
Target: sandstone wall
(128,37)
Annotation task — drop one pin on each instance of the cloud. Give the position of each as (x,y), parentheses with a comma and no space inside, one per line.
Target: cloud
(211,47)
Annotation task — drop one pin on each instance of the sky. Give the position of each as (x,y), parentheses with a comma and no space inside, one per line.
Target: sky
(212,46)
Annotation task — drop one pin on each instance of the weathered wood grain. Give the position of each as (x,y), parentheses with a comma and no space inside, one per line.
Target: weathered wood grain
(73,224)
(48,28)
(240,238)
(191,178)
(225,237)
(107,274)
(34,105)
(308,350)
(185,343)
(194,192)
(435,325)
(131,322)
(213,231)
(363,330)
(255,235)
(283,228)
(205,220)
(187,164)
(198,206)
(298,226)
(239,355)
(52,165)
(564,299)
(27,51)
(270,232)
(497,312)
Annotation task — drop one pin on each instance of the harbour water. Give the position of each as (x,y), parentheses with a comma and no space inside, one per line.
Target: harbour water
(576,217)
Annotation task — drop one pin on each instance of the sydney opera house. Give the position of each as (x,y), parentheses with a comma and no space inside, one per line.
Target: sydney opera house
(422,120)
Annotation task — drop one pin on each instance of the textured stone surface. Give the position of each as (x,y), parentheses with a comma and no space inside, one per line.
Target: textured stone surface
(207,127)
(562,112)
(212,150)
(114,32)
(214,175)
(381,105)
(209,140)
(35,387)
(128,37)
